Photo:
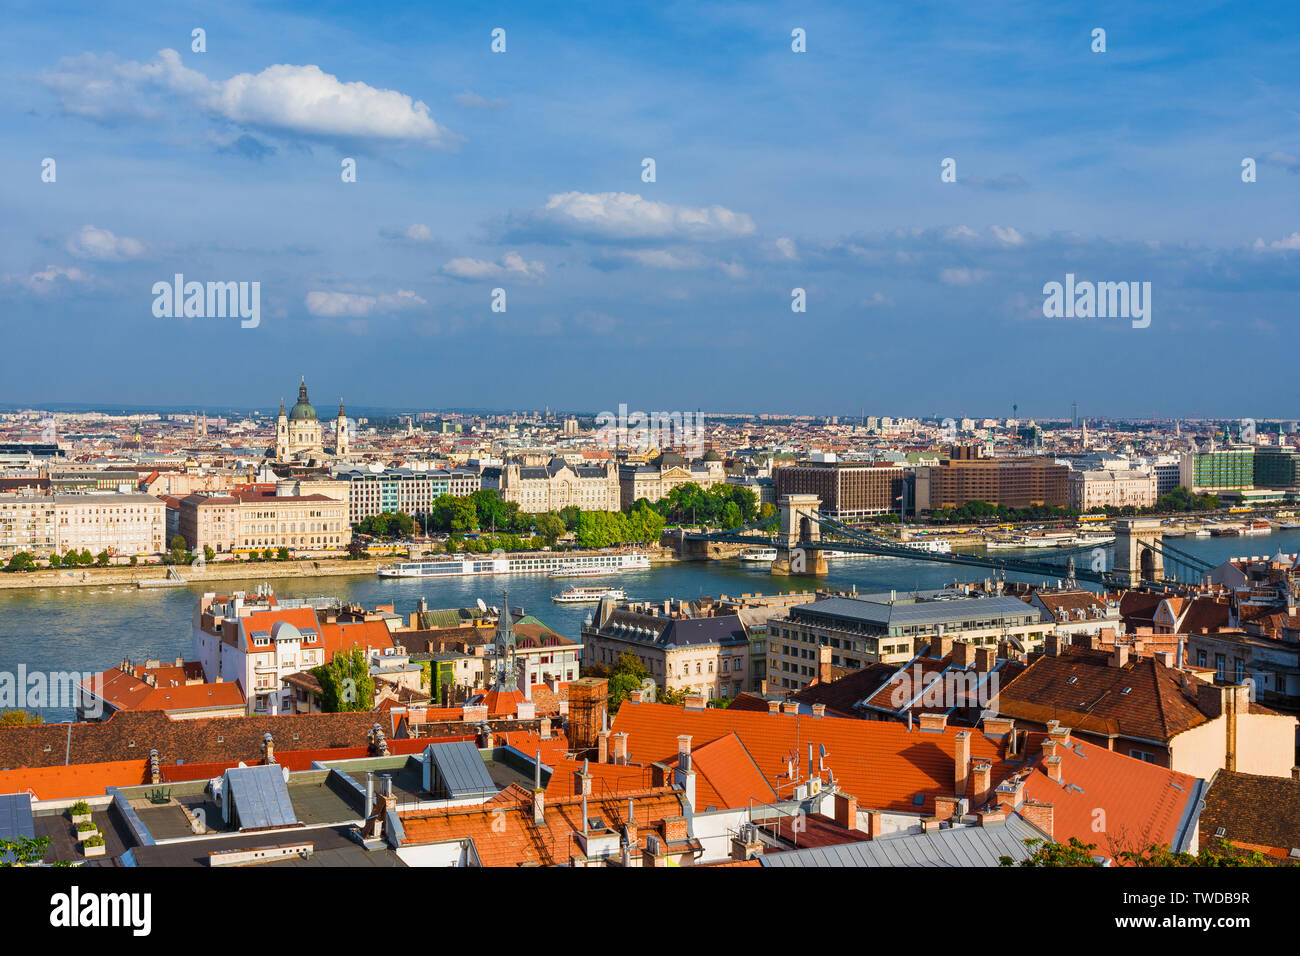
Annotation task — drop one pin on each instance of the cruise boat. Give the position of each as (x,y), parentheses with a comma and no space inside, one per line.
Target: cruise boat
(553,564)
(579,595)
(932,545)
(757,556)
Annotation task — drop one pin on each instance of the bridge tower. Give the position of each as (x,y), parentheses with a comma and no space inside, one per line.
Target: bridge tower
(798,542)
(1135,558)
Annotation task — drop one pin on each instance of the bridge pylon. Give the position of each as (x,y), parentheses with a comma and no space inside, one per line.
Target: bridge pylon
(1135,559)
(798,544)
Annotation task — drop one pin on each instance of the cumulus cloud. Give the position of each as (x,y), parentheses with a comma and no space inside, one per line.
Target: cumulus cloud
(630,216)
(962,276)
(355,305)
(1008,235)
(416,232)
(786,248)
(512,265)
(1286,243)
(284,99)
(91,242)
(49,279)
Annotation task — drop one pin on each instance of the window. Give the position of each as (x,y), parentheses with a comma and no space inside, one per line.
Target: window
(1144,755)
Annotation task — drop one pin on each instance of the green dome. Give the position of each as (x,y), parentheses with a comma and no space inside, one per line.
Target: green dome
(302,411)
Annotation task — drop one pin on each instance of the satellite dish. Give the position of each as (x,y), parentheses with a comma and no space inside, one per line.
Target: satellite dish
(481,606)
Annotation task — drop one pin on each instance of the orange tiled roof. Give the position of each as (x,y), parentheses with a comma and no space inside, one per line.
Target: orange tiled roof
(882,763)
(76,780)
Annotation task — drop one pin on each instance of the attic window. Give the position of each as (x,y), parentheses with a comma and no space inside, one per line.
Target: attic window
(295,736)
(131,743)
(1126,691)
(1220,832)
(47,748)
(918,799)
(220,739)
(1073,680)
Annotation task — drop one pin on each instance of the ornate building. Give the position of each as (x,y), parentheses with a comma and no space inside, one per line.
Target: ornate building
(558,485)
(298,434)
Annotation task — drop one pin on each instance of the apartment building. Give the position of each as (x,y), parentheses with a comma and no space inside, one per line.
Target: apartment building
(849,633)
(26,524)
(708,656)
(1014,482)
(301,522)
(656,478)
(559,485)
(848,489)
(370,493)
(208,521)
(1104,488)
(119,523)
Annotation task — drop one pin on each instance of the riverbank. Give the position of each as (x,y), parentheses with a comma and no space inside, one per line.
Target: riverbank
(220,571)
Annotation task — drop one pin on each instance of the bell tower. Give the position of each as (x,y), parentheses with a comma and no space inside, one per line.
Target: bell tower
(341,436)
(281,434)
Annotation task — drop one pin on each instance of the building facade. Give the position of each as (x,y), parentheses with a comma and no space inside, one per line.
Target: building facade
(1112,489)
(848,489)
(1014,482)
(127,524)
(561,485)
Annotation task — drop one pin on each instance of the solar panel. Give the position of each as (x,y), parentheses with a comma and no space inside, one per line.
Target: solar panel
(260,797)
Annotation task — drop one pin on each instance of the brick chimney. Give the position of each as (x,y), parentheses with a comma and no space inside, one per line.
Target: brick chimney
(945,808)
(790,707)
(1119,656)
(1040,815)
(634,697)
(819,710)
(1052,645)
(268,747)
(875,824)
(845,810)
(694,702)
(961,760)
(602,747)
(998,726)
(1052,766)
(774,707)
(981,782)
(539,806)
(985,659)
(544,728)
(941,647)
(963,654)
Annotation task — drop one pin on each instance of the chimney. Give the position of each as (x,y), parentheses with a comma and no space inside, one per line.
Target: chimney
(774,707)
(544,728)
(620,748)
(1167,658)
(875,824)
(941,647)
(684,752)
(634,697)
(1052,645)
(370,793)
(1060,735)
(985,659)
(934,722)
(694,701)
(982,774)
(997,726)
(1119,656)
(963,654)
(629,825)
(961,759)
(846,810)
(945,808)
(1052,766)
(790,707)
(819,710)
(268,747)
(1040,815)
(654,854)
(602,747)
(582,780)
(539,806)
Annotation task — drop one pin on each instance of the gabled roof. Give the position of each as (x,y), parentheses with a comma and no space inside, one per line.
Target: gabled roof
(1253,812)
(962,846)
(1082,690)
(882,763)
(842,696)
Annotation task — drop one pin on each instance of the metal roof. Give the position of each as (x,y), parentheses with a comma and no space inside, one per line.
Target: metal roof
(917,612)
(962,846)
(260,797)
(16,816)
(457,768)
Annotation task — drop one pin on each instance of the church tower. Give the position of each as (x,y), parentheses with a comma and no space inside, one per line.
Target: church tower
(281,434)
(341,434)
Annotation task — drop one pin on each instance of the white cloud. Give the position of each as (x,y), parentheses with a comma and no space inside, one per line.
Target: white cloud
(1008,235)
(960,232)
(283,98)
(1284,244)
(49,279)
(91,242)
(962,276)
(787,248)
(512,265)
(629,216)
(355,305)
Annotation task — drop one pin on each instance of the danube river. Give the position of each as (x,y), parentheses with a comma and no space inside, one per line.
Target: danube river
(89,628)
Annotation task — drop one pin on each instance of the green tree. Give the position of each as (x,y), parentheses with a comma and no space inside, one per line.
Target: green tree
(21,561)
(625,675)
(208,554)
(550,526)
(19,718)
(346,684)
(23,851)
(102,558)
(282,554)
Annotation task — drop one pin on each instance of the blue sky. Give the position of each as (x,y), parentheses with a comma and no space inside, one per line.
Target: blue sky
(775,170)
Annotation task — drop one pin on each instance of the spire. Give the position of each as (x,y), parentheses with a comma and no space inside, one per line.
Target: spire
(302,392)
(341,406)
(505,647)
(282,408)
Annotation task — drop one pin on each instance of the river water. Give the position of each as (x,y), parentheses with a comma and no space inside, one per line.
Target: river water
(90,628)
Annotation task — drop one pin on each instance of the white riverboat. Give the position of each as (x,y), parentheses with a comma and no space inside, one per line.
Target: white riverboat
(580,595)
(552,564)
(757,556)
